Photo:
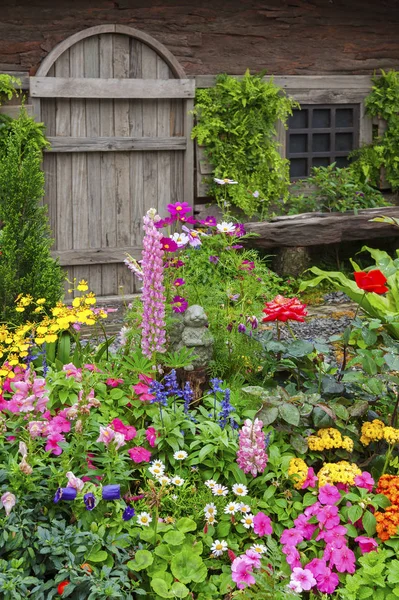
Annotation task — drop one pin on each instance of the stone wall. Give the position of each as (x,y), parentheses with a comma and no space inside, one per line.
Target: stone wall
(211,36)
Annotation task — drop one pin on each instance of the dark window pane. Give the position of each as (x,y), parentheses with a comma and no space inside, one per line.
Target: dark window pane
(321,161)
(299,119)
(344,117)
(344,142)
(321,142)
(298,143)
(321,117)
(341,161)
(298,167)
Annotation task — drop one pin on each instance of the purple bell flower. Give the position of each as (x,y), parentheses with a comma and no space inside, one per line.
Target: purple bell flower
(67,493)
(89,500)
(128,513)
(111,492)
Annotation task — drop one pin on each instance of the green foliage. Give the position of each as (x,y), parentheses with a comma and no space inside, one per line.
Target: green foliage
(25,238)
(8,87)
(236,122)
(377,578)
(330,189)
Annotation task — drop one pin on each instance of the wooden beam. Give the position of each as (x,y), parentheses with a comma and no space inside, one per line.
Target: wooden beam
(13,110)
(95,256)
(313,229)
(304,82)
(90,87)
(124,144)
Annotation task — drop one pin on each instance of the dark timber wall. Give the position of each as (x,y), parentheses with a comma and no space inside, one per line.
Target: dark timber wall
(212,36)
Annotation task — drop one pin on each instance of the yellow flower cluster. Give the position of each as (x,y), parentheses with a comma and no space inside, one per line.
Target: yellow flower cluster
(377,431)
(340,472)
(329,438)
(14,343)
(299,470)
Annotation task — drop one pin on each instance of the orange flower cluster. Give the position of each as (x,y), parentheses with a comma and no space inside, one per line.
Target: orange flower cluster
(388,521)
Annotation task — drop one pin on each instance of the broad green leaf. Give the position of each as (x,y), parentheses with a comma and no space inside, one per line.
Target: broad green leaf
(142,560)
(185,524)
(369,523)
(98,556)
(160,587)
(174,538)
(179,590)
(354,513)
(289,413)
(187,566)
(299,443)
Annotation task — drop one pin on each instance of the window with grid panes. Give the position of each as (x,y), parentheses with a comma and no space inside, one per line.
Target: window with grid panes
(319,135)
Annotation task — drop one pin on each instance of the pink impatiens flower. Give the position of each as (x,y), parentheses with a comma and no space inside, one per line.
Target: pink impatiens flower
(139,454)
(127,430)
(366,544)
(52,443)
(310,480)
(302,579)
(343,559)
(365,481)
(328,494)
(262,524)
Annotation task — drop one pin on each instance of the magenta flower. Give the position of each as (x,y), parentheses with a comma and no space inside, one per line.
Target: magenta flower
(262,524)
(214,259)
(366,544)
(327,582)
(168,245)
(365,481)
(179,209)
(291,537)
(59,424)
(310,480)
(111,382)
(292,556)
(72,371)
(179,304)
(209,222)
(305,528)
(328,516)
(247,265)
(52,443)
(251,455)
(190,220)
(193,237)
(153,336)
(151,436)
(328,494)
(343,559)
(128,431)
(241,571)
(167,221)
(179,282)
(303,579)
(139,454)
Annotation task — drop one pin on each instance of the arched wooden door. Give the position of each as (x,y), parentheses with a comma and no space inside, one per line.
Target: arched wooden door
(116,105)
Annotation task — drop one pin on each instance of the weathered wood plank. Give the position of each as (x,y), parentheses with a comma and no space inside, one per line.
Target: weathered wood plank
(303,82)
(13,111)
(79,87)
(150,159)
(96,256)
(322,228)
(92,69)
(108,179)
(122,164)
(164,158)
(189,154)
(119,144)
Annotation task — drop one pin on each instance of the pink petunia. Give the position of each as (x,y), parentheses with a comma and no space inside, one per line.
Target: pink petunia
(262,524)
(139,454)
(328,494)
(366,544)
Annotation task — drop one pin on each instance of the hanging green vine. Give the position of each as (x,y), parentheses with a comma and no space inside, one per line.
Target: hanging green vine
(383,102)
(236,122)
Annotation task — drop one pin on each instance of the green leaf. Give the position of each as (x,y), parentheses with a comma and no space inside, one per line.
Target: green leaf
(179,590)
(98,556)
(299,348)
(369,523)
(299,443)
(268,414)
(160,587)
(142,560)
(321,419)
(289,413)
(205,450)
(354,513)
(175,538)
(185,524)
(187,566)
(358,408)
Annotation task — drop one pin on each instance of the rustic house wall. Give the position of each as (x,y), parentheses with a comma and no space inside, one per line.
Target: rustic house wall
(212,36)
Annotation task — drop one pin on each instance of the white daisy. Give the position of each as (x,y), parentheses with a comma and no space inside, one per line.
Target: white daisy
(163,480)
(220,490)
(218,547)
(158,463)
(210,519)
(180,455)
(210,508)
(225,227)
(259,548)
(248,521)
(224,181)
(239,489)
(144,518)
(244,508)
(177,481)
(210,483)
(232,508)
(181,239)
(156,471)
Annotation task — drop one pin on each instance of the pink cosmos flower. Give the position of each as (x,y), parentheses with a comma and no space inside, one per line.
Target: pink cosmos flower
(262,524)
(179,304)
(75,482)
(366,544)
(151,436)
(168,245)
(8,500)
(343,559)
(193,236)
(107,434)
(365,481)
(328,494)
(139,454)
(302,578)
(72,371)
(127,430)
(179,209)
(209,222)
(179,282)
(247,265)
(52,443)
(111,382)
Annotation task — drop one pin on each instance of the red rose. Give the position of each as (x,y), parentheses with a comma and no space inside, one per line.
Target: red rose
(284,309)
(61,587)
(373,281)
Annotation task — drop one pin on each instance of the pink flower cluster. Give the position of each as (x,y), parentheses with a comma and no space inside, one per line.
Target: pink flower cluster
(117,432)
(30,394)
(337,556)
(242,569)
(142,388)
(153,322)
(251,455)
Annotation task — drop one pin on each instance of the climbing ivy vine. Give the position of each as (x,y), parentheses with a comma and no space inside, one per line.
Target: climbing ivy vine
(236,122)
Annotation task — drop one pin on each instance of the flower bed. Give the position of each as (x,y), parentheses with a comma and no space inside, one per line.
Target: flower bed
(275,478)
